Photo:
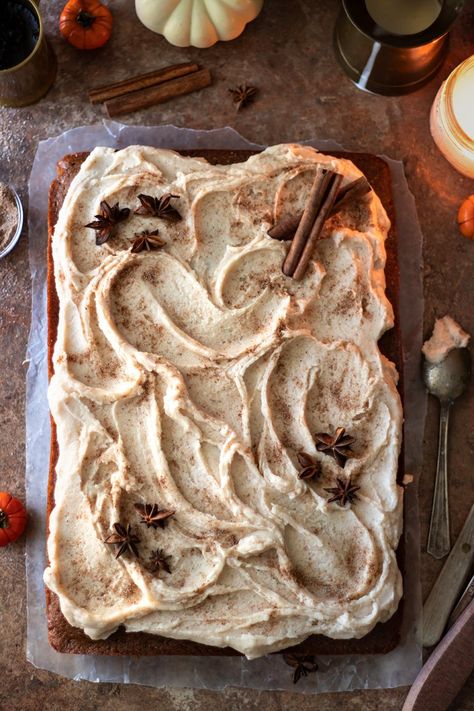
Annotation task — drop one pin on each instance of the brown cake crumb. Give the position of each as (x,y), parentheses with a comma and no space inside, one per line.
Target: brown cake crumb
(8,215)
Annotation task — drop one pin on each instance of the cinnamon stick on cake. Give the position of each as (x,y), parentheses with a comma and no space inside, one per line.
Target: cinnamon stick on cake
(285,229)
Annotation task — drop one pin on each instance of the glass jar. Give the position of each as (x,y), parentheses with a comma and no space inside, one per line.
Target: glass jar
(452,118)
(27,82)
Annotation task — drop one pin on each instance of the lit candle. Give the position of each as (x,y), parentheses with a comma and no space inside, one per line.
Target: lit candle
(452,118)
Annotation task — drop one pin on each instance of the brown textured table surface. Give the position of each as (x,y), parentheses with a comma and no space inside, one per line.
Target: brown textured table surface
(287,53)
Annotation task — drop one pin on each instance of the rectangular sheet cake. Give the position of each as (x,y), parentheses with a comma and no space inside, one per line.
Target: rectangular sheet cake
(190,379)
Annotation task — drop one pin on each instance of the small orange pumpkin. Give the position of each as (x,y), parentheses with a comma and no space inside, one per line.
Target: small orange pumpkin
(86,24)
(466,217)
(12,518)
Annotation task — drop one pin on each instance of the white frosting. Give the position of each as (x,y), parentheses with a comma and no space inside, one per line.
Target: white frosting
(447,335)
(192,376)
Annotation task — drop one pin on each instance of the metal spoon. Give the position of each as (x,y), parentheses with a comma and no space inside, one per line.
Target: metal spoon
(446,380)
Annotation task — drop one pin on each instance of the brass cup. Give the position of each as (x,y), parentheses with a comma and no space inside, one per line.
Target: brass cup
(385,63)
(28,82)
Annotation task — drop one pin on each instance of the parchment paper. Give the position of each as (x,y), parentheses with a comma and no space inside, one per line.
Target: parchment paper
(336,673)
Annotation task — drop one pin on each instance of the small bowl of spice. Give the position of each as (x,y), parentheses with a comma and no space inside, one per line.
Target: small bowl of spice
(11,218)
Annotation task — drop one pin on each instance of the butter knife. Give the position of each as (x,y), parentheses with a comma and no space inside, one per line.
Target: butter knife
(448,586)
(464,601)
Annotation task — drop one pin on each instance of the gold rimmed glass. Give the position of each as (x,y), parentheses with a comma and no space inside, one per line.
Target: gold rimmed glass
(27,82)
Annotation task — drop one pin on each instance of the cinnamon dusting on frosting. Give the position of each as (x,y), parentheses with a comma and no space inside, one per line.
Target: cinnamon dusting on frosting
(191,376)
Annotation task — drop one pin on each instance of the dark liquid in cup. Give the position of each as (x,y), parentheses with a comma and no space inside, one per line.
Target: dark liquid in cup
(19,32)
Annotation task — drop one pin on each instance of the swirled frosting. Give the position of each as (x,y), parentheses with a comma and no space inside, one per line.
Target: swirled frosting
(191,376)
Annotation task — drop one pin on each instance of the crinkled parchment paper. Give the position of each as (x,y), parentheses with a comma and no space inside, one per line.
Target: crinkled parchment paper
(336,673)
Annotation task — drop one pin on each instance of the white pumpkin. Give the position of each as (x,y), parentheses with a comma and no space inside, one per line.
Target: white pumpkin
(200,23)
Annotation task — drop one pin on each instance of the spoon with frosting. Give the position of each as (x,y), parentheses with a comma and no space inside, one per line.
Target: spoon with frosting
(446,372)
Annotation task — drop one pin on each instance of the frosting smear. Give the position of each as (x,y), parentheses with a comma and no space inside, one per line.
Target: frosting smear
(447,335)
(191,377)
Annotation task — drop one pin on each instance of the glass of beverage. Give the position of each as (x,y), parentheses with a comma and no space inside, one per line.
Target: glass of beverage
(27,62)
(393,46)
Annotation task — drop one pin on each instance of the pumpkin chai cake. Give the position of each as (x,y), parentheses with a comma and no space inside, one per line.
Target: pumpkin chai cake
(226,431)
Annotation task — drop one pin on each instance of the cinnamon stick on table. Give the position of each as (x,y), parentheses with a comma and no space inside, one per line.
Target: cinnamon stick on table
(150,96)
(142,81)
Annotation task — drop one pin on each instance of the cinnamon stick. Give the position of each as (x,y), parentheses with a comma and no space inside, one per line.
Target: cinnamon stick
(143,98)
(321,183)
(142,81)
(356,189)
(324,211)
(286,228)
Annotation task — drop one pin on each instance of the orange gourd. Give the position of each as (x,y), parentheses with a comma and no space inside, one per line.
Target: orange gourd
(12,518)
(86,24)
(466,217)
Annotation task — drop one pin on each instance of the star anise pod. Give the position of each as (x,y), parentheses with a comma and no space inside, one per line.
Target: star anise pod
(338,446)
(152,515)
(124,539)
(310,467)
(158,207)
(243,95)
(303,664)
(146,240)
(343,492)
(159,561)
(107,220)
